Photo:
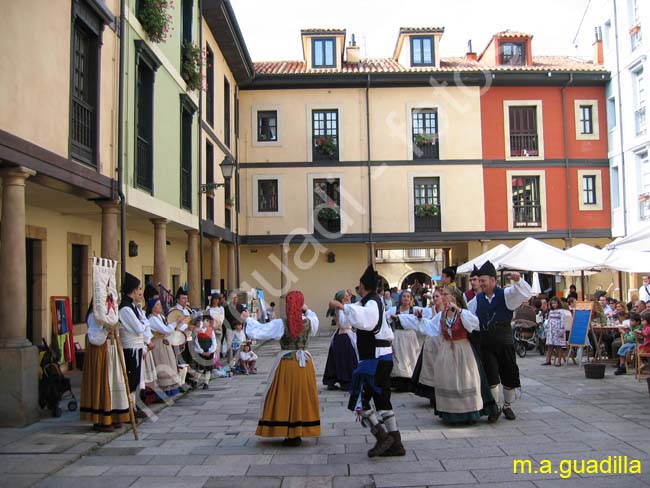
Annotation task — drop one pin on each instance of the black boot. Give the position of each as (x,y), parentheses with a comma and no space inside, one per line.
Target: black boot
(384,441)
(397,449)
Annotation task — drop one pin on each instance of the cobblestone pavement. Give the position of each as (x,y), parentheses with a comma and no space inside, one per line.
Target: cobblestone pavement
(206,439)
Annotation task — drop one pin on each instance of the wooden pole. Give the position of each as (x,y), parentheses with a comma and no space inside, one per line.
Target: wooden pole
(126,381)
(582,286)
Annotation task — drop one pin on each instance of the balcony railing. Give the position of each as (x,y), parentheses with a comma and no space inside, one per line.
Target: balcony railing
(327,226)
(143,172)
(325,148)
(81,130)
(639,119)
(524,216)
(430,223)
(522,145)
(426,150)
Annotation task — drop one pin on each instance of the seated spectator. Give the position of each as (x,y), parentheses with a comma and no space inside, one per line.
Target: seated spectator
(645,331)
(639,306)
(629,342)
(572,292)
(247,359)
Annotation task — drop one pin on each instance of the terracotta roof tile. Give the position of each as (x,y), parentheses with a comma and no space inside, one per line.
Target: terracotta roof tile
(319,30)
(415,30)
(509,33)
(390,65)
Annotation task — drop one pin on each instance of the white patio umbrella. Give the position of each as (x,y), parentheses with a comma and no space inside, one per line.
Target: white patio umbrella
(533,255)
(636,241)
(480,260)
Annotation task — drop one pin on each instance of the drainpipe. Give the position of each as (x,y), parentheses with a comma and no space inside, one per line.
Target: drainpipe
(237,185)
(371,244)
(566,158)
(619,122)
(203,301)
(120,142)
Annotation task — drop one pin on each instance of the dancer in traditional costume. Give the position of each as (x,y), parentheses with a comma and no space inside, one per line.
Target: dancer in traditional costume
(475,287)
(422,380)
(290,402)
(371,380)
(462,392)
(406,347)
(132,329)
(104,399)
(342,357)
(163,353)
(149,380)
(205,345)
(494,307)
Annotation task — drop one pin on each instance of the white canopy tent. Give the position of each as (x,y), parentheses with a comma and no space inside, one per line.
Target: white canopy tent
(479,261)
(616,259)
(636,241)
(533,255)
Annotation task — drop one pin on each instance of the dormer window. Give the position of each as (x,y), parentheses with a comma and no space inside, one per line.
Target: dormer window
(422,51)
(323,52)
(512,53)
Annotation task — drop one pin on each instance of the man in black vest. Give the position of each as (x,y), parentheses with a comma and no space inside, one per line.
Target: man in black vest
(371,380)
(494,306)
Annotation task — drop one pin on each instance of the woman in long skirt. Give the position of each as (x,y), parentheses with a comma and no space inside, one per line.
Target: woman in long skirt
(462,394)
(290,404)
(163,353)
(422,381)
(406,347)
(342,357)
(104,399)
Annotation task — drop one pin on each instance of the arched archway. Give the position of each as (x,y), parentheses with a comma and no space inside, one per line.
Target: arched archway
(383,284)
(408,280)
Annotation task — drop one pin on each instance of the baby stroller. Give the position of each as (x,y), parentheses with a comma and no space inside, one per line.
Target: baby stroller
(526,332)
(53,385)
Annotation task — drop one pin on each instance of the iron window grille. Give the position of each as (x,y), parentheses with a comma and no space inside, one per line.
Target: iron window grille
(426,204)
(524,140)
(425,133)
(325,144)
(527,208)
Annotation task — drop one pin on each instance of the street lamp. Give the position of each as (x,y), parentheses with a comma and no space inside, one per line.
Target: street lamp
(227,169)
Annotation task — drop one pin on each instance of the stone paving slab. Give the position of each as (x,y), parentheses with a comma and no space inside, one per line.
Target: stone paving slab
(206,439)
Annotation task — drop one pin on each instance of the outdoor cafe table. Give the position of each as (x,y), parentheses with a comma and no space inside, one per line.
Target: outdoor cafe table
(599,331)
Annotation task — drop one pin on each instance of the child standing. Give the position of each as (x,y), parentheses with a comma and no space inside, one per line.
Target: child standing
(555,334)
(238,338)
(247,359)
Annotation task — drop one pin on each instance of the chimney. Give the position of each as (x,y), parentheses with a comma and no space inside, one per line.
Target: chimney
(471,55)
(599,57)
(353,52)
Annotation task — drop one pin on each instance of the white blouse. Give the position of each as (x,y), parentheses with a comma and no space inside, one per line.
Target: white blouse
(432,327)
(274,330)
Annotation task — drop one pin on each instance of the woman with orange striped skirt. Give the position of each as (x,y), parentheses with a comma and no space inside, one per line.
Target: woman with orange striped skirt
(290,406)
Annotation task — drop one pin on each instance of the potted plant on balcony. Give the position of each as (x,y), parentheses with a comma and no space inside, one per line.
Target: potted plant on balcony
(426,210)
(229,202)
(191,67)
(425,139)
(326,145)
(155,19)
(328,214)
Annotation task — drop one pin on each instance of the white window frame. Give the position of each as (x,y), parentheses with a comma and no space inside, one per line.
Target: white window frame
(409,126)
(265,108)
(595,136)
(339,134)
(310,198)
(542,197)
(412,175)
(540,128)
(598,189)
(256,211)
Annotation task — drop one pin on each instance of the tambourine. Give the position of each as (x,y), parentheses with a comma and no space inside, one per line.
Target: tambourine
(176,338)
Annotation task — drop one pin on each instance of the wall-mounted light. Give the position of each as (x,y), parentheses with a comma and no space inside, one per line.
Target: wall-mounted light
(133,249)
(227,169)
(331,257)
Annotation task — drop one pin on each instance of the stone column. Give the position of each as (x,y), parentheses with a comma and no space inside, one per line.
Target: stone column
(18,357)
(193,272)
(231,277)
(484,246)
(110,224)
(284,272)
(215,263)
(160,268)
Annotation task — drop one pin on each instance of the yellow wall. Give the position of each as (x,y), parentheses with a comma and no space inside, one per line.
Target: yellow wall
(35,77)
(309,271)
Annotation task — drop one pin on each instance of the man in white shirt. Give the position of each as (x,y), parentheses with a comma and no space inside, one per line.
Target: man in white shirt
(494,306)
(132,330)
(644,290)
(371,380)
